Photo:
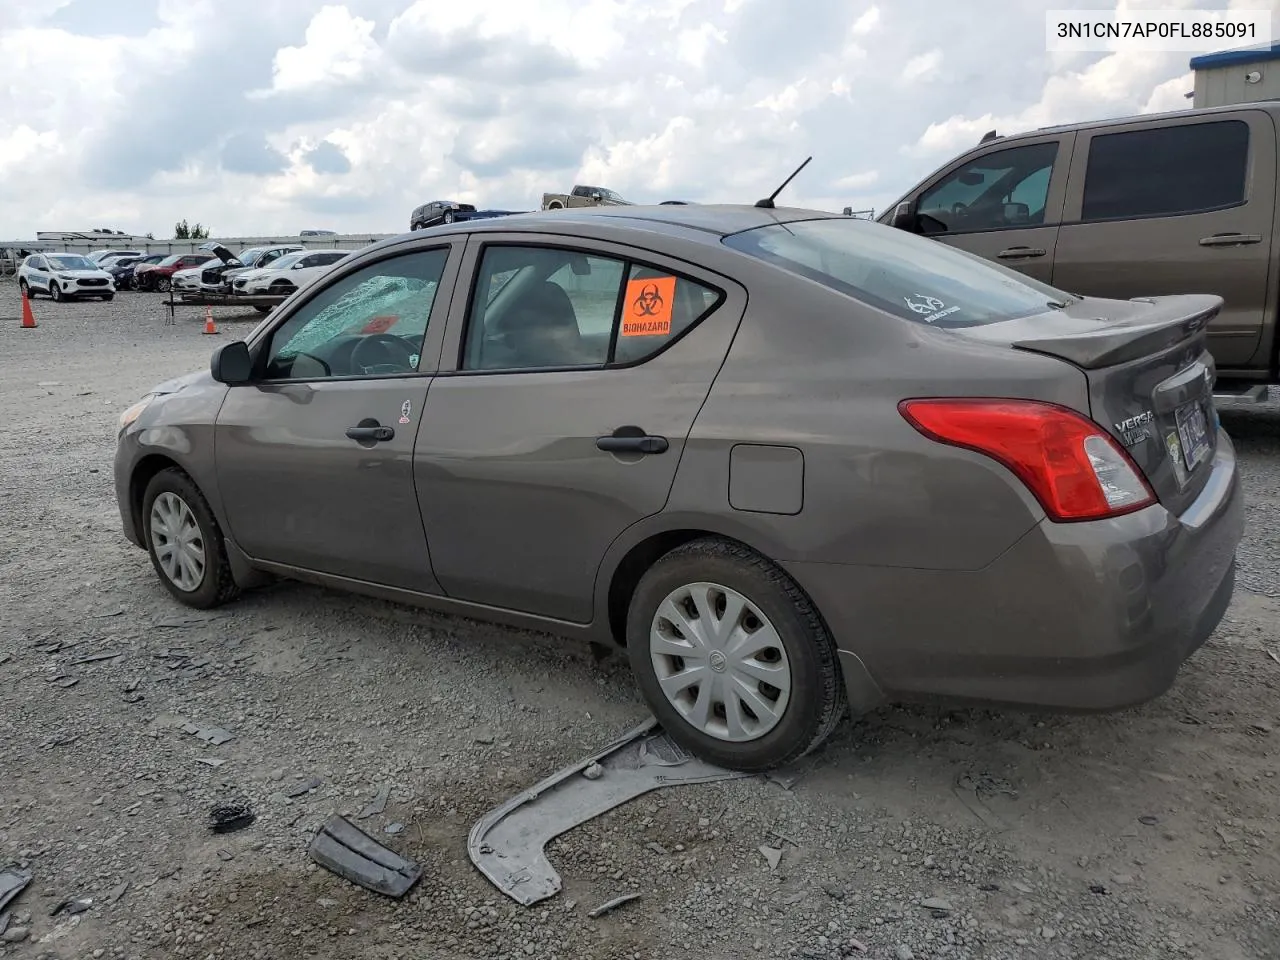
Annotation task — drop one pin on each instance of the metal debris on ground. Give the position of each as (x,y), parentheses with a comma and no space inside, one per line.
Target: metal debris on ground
(593,771)
(132,685)
(507,843)
(305,787)
(377,805)
(394,828)
(773,855)
(179,623)
(211,761)
(65,682)
(343,848)
(936,905)
(224,854)
(614,904)
(1149,820)
(1273,655)
(4,658)
(12,883)
(215,736)
(229,818)
(4,922)
(118,892)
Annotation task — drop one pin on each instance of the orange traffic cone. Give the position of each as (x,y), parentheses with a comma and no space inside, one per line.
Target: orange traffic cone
(209,325)
(28,318)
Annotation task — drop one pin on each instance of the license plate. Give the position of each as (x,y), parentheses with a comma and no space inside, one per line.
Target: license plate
(1193,432)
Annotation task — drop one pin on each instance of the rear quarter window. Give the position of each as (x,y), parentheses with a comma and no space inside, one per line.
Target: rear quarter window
(908,276)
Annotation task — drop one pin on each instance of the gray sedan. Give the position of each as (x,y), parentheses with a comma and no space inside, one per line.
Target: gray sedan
(792,462)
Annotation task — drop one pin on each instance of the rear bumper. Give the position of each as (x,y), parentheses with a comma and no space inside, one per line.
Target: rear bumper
(1088,616)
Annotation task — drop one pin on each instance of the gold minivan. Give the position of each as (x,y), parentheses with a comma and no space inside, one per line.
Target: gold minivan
(1141,206)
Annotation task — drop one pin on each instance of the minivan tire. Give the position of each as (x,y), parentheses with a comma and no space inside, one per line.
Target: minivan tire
(217,586)
(816,700)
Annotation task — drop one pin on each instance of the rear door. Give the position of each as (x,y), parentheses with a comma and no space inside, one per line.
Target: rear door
(1004,203)
(1180,205)
(568,384)
(38,274)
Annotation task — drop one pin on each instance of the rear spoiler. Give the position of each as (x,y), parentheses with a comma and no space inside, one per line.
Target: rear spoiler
(1170,321)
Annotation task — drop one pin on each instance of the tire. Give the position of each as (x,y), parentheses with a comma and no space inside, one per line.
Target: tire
(55,292)
(215,586)
(164,284)
(815,702)
(25,288)
(448,216)
(555,205)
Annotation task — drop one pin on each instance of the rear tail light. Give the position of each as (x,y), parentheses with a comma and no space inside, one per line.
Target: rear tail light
(1073,467)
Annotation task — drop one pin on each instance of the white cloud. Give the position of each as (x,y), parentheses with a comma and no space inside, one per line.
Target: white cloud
(497,101)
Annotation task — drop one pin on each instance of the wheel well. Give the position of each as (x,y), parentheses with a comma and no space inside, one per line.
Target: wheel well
(633,566)
(145,469)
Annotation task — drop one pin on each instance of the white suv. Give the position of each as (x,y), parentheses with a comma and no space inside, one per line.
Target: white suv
(64,276)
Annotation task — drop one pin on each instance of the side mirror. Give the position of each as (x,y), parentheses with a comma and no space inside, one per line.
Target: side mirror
(596,197)
(1016,213)
(847,211)
(231,363)
(904,217)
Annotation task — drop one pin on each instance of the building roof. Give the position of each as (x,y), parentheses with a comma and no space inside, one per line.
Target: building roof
(1236,57)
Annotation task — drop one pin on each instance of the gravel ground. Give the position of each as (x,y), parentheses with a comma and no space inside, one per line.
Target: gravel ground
(919,832)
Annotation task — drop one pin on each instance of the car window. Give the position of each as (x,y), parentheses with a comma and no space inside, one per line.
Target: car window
(1000,190)
(1165,171)
(561,308)
(368,323)
(64,261)
(911,277)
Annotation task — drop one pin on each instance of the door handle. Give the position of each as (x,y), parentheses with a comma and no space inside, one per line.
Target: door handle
(628,443)
(1021,253)
(375,433)
(1230,239)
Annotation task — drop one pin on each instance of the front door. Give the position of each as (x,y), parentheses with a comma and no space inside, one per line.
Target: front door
(1004,204)
(578,372)
(314,459)
(1177,206)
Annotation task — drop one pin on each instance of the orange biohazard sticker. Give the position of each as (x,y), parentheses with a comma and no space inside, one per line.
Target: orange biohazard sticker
(647,311)
(380,324)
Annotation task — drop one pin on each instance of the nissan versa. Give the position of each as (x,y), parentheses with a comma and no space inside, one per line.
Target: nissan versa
(792,461)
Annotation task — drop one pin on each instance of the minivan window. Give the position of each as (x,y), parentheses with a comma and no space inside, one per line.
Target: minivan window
(903,274)
(1166,171)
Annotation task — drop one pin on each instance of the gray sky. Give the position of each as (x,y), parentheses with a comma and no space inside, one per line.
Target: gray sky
(271,116)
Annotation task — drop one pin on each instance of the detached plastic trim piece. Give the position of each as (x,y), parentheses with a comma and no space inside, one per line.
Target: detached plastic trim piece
(343,848)
(506,844)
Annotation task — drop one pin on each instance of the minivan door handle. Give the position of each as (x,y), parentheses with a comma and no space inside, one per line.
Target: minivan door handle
(1230,239)
(1021,253)
(631,440)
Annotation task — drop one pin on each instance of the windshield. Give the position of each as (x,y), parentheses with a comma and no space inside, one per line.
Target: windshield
(288,260)
(65,261)
(610,195)
(903,274)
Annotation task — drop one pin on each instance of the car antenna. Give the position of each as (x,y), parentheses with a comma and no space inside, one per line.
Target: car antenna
(767,202)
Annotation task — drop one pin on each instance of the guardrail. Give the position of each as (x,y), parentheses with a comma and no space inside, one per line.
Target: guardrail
(346,241)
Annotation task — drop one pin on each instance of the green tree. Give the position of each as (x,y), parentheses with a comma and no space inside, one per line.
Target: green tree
(181,231)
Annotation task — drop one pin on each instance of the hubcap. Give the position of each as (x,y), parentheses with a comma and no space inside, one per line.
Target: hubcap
(179,547)
(720,662)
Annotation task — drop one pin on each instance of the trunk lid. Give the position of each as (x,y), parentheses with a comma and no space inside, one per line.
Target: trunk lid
(1150,378)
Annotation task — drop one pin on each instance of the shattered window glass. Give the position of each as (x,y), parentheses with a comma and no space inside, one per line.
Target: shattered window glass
(389,301)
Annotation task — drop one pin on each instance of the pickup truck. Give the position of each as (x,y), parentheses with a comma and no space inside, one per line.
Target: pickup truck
(1181,202)
(582,196)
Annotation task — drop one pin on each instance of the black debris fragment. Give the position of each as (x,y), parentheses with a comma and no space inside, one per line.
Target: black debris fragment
(1149,820)
(72,905)
(343,848)
(1097,888)
(229,818)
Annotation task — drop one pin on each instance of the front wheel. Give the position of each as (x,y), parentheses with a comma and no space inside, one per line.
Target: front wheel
(164,284)
(55,291)
(733,658)
(448,216)
(185,542)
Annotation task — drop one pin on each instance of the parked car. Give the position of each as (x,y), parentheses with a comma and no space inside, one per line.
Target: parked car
(159,276)
(317,233)
(287,274)
(217,277)
(125,275)
(581,196)
(450,211)
(789,460)
(1158,204)
(64,276)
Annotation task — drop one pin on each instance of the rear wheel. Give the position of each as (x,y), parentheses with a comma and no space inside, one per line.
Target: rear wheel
(733,658)
(185,542)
